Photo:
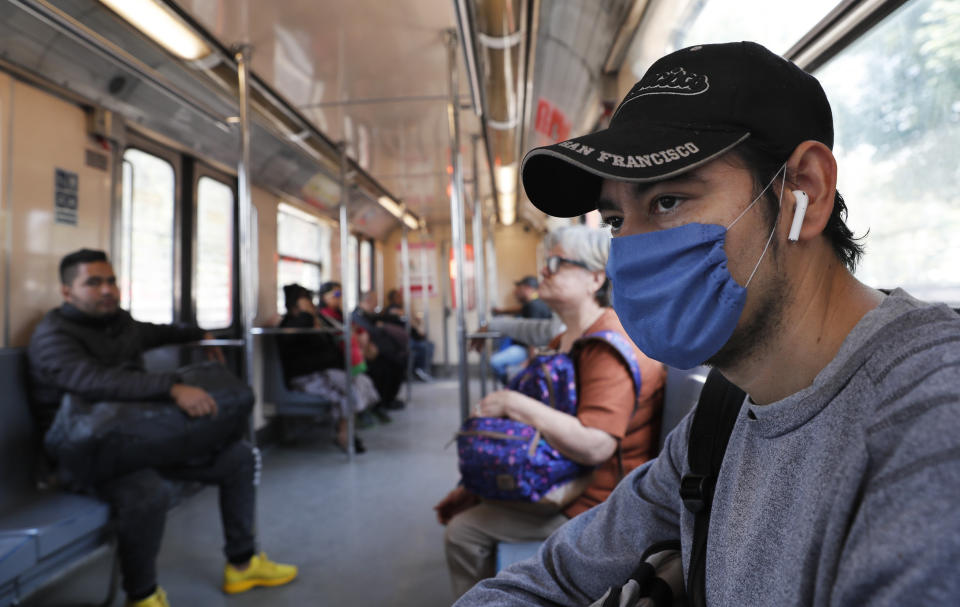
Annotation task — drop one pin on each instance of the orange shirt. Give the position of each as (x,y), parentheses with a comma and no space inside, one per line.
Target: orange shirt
(605,398)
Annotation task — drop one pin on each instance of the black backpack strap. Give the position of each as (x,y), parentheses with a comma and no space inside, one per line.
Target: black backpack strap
(717,410)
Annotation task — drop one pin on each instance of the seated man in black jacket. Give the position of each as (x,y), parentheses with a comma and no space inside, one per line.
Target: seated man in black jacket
(90,347)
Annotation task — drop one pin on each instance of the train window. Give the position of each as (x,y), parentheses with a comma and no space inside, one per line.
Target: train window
(366,265)
(776,25)
(148,206)
(213,283)
(351,296)
(303,247)
(895,96)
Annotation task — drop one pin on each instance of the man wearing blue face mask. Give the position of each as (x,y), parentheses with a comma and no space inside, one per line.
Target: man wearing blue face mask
(841,477)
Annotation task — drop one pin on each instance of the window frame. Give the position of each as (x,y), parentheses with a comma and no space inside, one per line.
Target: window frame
(201,170)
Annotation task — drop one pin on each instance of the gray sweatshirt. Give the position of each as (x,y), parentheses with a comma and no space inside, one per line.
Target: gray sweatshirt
(845,493)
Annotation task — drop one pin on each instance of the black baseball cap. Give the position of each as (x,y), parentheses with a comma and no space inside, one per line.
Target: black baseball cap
(689,108)
(527,281)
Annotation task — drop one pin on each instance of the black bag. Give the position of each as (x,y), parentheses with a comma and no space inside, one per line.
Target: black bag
(658,581)
(94,442)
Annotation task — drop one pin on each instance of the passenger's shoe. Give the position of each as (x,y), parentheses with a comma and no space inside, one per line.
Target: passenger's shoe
(382,415)
(365,419)
(423,375)
(395,405)
(157,599)
(260,572)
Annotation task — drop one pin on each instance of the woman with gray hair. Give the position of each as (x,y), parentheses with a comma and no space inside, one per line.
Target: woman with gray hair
(610,416)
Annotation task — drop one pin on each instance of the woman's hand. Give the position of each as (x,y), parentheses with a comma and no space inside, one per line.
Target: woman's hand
(496,404)
(454,503)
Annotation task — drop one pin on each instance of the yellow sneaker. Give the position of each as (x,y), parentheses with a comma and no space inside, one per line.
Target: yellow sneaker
(260,572)
(157,599)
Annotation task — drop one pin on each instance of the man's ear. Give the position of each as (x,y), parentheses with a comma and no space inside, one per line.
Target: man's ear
(65,291)
(813,169)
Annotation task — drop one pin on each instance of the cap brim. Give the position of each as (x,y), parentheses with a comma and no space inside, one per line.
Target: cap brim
(564,179)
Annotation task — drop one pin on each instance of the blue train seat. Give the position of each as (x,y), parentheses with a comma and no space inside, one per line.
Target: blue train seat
(41,531)
(286,402)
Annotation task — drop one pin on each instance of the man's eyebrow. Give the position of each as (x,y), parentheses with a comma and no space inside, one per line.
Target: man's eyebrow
(606,204)
(639,189)
(692,178)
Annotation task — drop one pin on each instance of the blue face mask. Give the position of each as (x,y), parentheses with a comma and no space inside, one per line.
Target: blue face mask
(673,292)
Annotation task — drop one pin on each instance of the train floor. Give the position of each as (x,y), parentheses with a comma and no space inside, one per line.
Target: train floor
(363,534)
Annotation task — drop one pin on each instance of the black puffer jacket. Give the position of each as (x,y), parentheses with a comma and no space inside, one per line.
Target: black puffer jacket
(97,359)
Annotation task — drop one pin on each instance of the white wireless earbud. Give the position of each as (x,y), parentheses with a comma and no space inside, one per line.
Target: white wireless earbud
(798,214)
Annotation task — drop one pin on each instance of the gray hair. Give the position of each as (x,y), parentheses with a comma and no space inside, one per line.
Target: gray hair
(582,243)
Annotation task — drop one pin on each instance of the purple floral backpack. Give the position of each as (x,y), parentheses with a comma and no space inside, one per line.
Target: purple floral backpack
(503,459)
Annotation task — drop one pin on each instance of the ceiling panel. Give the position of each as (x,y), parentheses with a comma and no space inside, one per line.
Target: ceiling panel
(371,72)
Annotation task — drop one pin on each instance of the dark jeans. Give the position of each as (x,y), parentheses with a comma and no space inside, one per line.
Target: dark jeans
(139,502)
(422,351)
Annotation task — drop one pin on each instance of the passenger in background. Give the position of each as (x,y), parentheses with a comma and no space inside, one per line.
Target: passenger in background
(313,363)
(841,477)
(421,349)
(389,368)
(531,306)
(90,347)
(610,417)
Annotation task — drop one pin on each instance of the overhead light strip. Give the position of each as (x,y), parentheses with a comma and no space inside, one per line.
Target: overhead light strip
(161,26)
(64,23)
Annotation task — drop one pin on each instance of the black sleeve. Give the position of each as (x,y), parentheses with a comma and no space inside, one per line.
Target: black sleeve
(60,360)
(154,336)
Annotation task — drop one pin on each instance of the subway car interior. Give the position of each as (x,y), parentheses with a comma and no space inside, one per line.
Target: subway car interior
(220,151)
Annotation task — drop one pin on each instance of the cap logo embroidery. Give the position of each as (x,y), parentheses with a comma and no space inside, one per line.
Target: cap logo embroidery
(677,81)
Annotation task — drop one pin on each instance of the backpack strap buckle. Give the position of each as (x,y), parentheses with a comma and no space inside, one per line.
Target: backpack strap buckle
(695,491)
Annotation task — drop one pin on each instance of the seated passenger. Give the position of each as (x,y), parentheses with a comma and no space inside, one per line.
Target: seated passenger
(531,306)
(609,413)
(90,347)
(841,478)
(313,363)
(421,348)
(388,368)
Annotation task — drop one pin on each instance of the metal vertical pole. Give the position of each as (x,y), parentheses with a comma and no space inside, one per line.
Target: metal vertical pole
(248,274)
(425,287)
(345,286)
(479,262)
(405,262)
(457,222)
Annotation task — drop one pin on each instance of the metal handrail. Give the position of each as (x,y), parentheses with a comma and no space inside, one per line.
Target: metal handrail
(293,331)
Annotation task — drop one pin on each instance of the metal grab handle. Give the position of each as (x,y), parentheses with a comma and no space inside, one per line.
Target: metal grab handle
(221,343)
(293,331)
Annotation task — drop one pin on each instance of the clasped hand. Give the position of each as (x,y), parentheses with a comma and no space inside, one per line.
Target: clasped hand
(496,404)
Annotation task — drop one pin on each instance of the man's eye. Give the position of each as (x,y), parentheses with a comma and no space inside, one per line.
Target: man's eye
(613,222)
(665,204)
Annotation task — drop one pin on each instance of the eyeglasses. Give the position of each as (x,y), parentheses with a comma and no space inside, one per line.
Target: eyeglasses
(554,261)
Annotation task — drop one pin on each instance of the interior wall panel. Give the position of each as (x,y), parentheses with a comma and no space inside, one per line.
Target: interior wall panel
(49,134)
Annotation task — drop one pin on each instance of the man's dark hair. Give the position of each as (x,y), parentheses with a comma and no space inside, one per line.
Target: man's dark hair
(69,263)
(764,164)
(292,293)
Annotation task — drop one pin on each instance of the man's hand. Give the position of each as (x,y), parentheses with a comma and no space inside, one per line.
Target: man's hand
(194,401)
(214,353)
(477,343)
